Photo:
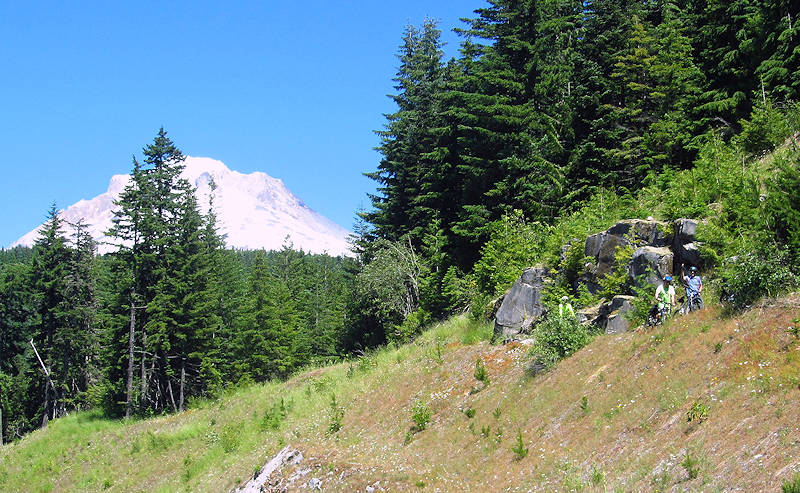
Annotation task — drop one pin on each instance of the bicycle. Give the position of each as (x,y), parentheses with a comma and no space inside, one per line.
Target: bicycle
(693,302)
(657,315)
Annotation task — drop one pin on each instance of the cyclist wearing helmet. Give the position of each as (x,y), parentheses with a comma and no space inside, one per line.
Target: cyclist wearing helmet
(665,294)
(694,286)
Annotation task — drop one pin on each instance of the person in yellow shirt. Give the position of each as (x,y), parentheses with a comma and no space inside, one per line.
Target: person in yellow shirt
(665,297)
(565,308)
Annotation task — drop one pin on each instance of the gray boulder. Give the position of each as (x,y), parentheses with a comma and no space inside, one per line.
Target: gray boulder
(643,232)
(652,262)
(593,315)
(686,247)
(522,305)
(621,302)
(608,316)
(688,255)
(685,231)
(602,247)
(617,321)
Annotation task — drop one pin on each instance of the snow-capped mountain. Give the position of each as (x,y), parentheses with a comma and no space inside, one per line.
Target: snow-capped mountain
(253,211)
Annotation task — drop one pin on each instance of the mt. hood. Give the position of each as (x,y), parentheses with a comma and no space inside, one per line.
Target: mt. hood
(254,211)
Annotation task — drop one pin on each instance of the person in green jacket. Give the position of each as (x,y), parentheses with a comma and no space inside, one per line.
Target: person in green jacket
(565,308)
(665,296)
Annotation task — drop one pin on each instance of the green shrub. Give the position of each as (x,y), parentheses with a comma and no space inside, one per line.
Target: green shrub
(792,485)
(596,477)
(519,449)
(158,442)
(482,307)
(698,411)
(767,127)
(584,404)
(616,280)
(469,412)
(691,465)
(556,338)
(480,373)
(783,202)
(231,437)
(643,301)
(766,271)
(421,415)
(274,416)
(100,396)
(458,290)
(507,253)
(337,414)
(411,327)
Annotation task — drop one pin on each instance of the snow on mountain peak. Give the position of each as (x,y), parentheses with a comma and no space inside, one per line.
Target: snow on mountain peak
(253,211)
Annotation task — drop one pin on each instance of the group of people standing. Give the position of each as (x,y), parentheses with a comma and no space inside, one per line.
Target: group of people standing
(665,293)
(664,298)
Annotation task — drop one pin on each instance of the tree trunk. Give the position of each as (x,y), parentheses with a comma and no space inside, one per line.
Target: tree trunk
(47,385)
(129,393)
(1,426)
(143,397)
(45,415)
(171,396)
(183,382)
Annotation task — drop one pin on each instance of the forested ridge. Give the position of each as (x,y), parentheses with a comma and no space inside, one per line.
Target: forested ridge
(558,118)
(170,316)
(561,117)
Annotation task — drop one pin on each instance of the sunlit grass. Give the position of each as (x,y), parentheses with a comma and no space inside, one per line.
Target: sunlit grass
(612,416)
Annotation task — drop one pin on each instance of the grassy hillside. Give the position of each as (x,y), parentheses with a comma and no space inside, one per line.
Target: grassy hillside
(614,416)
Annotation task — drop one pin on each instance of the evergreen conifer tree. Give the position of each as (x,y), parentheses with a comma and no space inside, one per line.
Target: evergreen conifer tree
(49,272)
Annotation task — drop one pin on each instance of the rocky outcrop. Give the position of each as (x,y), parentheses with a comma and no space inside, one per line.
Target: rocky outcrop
(642,233)
(659,248)
(685,247)
(522,305)
(651,263)
(610,316)
(593,315)
(617,320)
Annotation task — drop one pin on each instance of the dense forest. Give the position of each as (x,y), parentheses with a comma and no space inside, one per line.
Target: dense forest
(170,316)
(557,118)
(560,116)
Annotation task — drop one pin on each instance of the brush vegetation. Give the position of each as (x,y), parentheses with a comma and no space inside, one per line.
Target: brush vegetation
(613,415)
(505,158)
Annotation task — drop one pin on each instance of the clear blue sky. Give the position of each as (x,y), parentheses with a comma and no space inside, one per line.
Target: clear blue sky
(294,89)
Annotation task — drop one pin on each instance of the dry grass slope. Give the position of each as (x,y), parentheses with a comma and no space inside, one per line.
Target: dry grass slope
(613,417)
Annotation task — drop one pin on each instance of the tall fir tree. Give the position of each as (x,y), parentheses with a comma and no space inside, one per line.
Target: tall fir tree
(167,256)
(406,198)
(49,272)
(264,346)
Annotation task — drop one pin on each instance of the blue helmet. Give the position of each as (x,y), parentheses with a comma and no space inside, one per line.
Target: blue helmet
(667,278)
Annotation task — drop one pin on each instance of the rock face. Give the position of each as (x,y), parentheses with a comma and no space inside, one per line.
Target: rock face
(593,315)
(610,316)
(659,249)
(652,239)
(617,321)
(522,305)
(685,246)
(652,262)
